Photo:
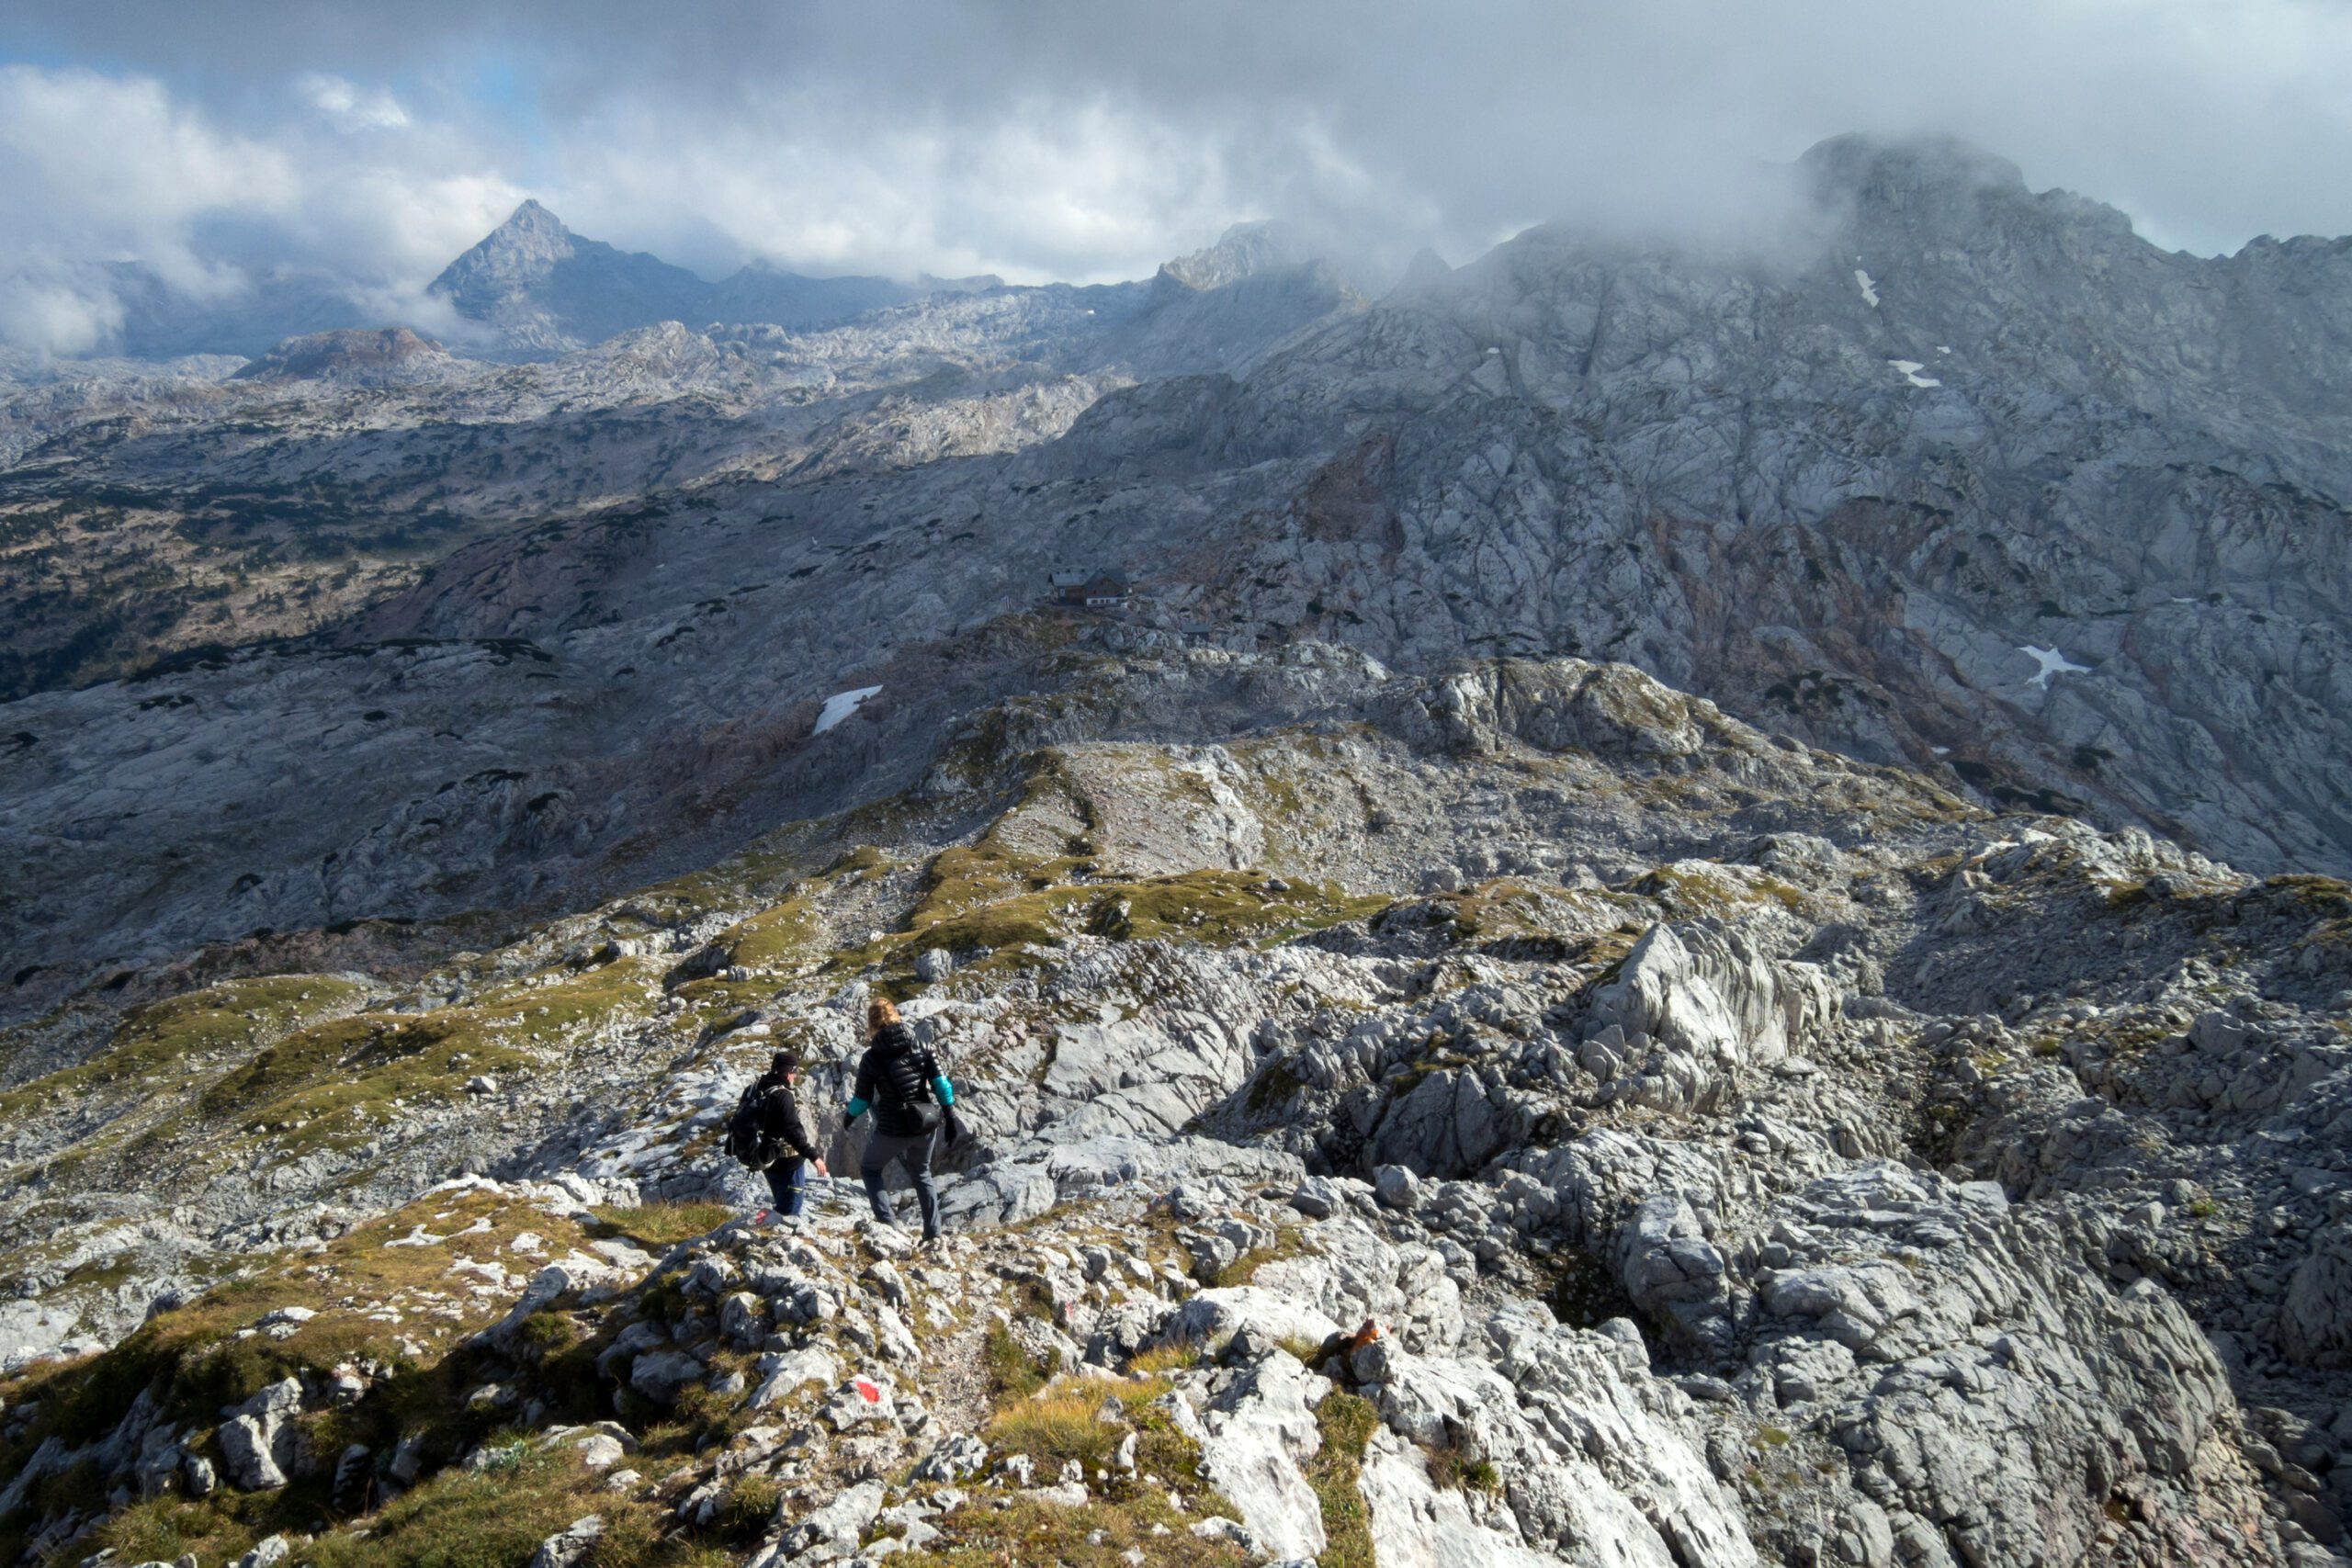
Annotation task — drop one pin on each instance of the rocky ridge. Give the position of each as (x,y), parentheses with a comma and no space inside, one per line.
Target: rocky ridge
(2085,557)
(1743,1154)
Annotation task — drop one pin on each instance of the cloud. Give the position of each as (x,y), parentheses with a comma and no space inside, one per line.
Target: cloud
(98,169)
(1090,139)
(94,168)
(51,316)
(347,108)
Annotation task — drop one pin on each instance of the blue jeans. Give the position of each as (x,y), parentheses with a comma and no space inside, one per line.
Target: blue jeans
(788,1183)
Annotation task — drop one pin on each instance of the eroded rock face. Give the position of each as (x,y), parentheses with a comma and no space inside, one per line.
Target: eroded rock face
(1689,1015)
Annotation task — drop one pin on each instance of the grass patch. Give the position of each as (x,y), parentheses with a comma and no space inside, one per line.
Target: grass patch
(988,897)
(750,1508)
(772,936)
(1097,1534)
(1244,1269)
(496,1520)
(1452,1470)
(1013,1371)
(658,1227)
(424,1263)
(1161,1359)
(324,1084)
(193,1361)
(1701,887)
(1056,1425)
(1346,1422)
(1061,1423)
(156,1046)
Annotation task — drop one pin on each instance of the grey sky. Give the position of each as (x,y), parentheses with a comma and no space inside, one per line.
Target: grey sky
(1059,139)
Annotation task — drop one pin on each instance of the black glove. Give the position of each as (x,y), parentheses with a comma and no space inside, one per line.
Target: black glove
(954,1126)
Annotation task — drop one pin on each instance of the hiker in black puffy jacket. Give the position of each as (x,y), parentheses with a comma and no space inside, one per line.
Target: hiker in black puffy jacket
(910,1097)
(780,1118)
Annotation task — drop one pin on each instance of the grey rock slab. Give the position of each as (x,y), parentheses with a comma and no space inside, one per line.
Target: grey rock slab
(1261,1429)
(570,1547)
(832,1531)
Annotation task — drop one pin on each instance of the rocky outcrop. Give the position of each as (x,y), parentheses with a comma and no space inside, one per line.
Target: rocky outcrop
(259,1446)
(1526,1100)
(394,354)
(1687,1016)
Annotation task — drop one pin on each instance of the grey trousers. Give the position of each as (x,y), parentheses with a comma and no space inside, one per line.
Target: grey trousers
(914,1153)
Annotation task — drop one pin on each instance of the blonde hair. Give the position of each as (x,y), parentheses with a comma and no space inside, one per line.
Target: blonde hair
(881,1011)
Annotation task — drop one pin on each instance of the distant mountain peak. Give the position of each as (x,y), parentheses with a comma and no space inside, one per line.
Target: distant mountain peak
(1426,270)
(1242,250)
(551,289)
(1858,164)
(1941,184)
(527,244)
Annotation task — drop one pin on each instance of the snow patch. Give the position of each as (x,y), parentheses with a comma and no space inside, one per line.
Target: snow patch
(839,706)
(1910,368)
(1940,750)
(2052,662)
(1870,289)
(1943,348)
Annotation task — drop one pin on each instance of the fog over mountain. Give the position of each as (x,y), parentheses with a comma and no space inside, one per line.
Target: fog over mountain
(1060,141)
(1602,749)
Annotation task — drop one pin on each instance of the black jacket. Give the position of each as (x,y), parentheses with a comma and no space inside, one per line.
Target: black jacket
(780,1117)
(893,1078)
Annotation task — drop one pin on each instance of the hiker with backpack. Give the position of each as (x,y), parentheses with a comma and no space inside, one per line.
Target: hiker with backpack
(912,1099)
(768,1133)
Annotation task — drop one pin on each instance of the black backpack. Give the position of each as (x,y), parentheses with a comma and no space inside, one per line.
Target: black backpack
(902,1086)
(748,1140)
